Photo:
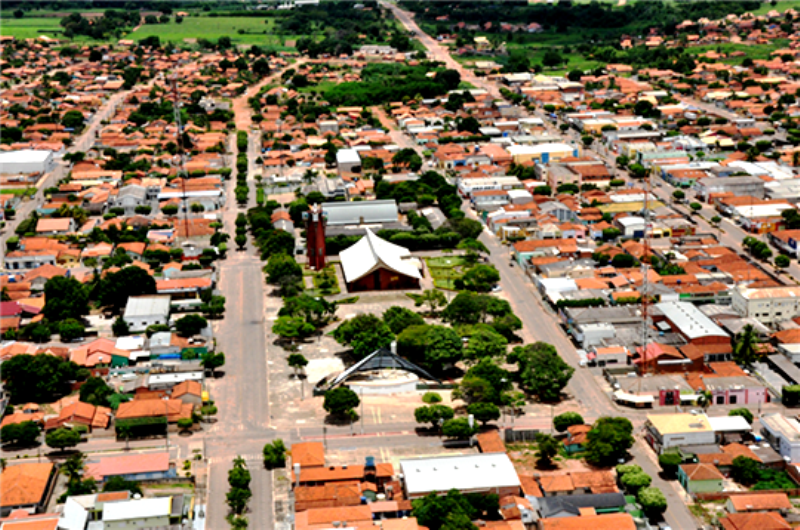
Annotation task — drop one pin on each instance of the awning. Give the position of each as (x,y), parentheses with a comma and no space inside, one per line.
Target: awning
(689,397)
(619,395)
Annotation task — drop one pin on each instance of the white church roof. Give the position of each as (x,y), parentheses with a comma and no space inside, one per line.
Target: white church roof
(371,253)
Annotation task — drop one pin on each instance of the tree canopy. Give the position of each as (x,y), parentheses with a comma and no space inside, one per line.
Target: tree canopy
(341,402)
(65,298)
(608,441)
(542,372)
(365,333)
(115,288)
(39,378)
(430,346)
(399,318)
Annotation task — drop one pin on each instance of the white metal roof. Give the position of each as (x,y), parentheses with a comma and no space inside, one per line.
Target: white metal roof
(137,509)
(463,472)
(729,424)
(690,320)
(364,212)
(145,306)
(372,252)
(539,148)
(347,156)
(25,156)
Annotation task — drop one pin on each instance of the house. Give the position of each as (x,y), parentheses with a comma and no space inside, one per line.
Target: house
(783,434)
(611,521)
(375,264)
(157,512)
(308,454)
(576,438)
(663,431)
(574,505)
(81,509)
(26,487)
(700,478)
(317,476)
(174,409)
(188,392)
(316,518)
(134,467)
(55,227)
(144,311)
(476,473)
(80,413)
(128,199)
(102,352)
(758,502)
(757,521)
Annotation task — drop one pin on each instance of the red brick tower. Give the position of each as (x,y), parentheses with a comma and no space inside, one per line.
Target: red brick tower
(315,237)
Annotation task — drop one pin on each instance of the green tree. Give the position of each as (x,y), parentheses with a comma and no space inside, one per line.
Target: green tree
(39,378)
(95,391)
(115,288)
(120,328)
(485,382)
(399,318)
(564,421)
(542,372)
(547,448)
(433,414)
(623,261)
(485,342)
(66,298)
(484,412)
(431,397)
(24,434)
(292,328)
(296,362)
(432,298)
(341,402)
(669,462)
(653,501)
(744,413)
(211,361)
(365,333)
(782,261)
(239,476)
(237,499)
(633,482)
(184,424)
(190,325)
(678,195)
(62,438)
(458,428)
(314,310)
(447,512)
(120,484)
(608,441)
(282,267)
(70,329)
(433,347)
(552,59)
(480,278)
(275,454)
(696,207)
(72,119)
(745,346)
(745,470)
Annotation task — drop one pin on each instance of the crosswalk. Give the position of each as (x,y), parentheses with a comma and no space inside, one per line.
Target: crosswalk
(250,457)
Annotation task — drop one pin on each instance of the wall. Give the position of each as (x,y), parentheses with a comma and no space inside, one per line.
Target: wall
(383,279)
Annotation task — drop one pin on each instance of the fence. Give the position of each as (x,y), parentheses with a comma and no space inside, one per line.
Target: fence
(724,495)
(520,435)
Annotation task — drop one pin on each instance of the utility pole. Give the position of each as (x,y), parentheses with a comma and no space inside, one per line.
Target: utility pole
(181,172)
(362,410)
(645,279)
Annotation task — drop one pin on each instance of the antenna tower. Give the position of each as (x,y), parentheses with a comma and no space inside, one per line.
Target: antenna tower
(645,278)
(182,174)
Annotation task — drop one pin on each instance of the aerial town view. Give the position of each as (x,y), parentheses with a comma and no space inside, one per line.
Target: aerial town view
(400,265)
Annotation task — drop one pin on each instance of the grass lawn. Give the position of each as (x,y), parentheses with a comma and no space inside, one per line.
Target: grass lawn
(755,51)
(766,7)
(445,271)
(17,191)
(212,28)
(29,28)
(325,282)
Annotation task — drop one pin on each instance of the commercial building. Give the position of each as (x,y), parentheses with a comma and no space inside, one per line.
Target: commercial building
(544,153)
(348,161)
(360,213)
(143,311)
(783,434)
(786,241)
(677,430)
(740,186)
(26,161)
(685,318)
(766,304)
(478,473)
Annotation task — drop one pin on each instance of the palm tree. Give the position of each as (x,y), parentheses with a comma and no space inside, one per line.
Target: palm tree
(125,431)
(745,346)
(704,399)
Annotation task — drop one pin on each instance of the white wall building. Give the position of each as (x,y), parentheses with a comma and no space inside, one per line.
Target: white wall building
(766,304)
(476,473)
(783,433)
(143,311)
(26,161)
(677,430)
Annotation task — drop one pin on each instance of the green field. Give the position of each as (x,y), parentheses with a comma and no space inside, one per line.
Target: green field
(28,28)
(755,51)
(212,28)
(766,7)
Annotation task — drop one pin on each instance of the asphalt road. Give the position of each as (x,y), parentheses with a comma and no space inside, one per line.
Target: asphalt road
(241,395)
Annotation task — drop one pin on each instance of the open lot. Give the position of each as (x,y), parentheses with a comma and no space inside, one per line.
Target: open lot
(256,31)
(29,28)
